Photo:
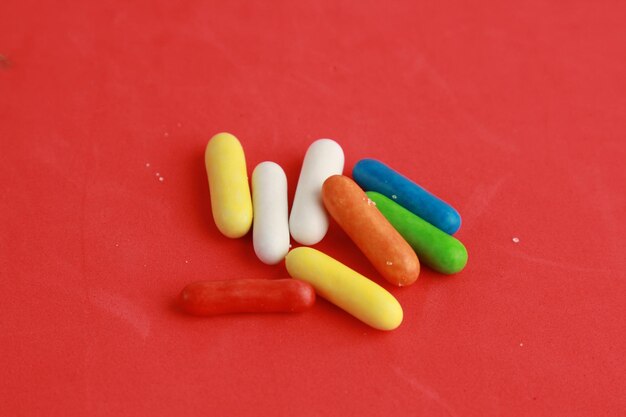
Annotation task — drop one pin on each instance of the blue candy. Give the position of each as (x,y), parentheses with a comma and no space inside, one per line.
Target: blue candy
(373,175)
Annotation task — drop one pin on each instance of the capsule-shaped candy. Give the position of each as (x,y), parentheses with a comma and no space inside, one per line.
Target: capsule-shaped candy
(435,248)
(373,175)
(357,215)
(270,229)
(231,202)
(346,288)
(209,298)
(308,221)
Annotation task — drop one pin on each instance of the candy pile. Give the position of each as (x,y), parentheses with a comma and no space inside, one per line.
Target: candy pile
(394,222)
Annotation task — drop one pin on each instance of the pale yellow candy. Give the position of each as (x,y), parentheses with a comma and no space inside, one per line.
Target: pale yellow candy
(346,288)
(231,202)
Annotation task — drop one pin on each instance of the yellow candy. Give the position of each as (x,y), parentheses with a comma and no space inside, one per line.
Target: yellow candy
(228,182)
(346,288)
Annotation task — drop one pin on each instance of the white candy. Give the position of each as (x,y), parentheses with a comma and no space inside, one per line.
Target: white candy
(308,222)
(270,232)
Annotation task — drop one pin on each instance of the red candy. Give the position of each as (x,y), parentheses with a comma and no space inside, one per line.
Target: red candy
(209,298)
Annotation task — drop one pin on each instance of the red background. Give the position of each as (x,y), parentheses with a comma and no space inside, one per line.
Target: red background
(514,112)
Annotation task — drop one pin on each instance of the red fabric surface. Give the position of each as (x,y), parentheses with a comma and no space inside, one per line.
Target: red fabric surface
(511,111)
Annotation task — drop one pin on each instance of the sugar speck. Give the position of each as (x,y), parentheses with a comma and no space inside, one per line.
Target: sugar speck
(147,164)
(166,134)
(186,261)
(521,344)
(370,202)
(389,263)
(393,196)
(179,124)
(161,179)
(515,240)
(157,175)
(117,245)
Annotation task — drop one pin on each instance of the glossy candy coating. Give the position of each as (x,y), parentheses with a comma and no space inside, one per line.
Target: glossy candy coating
(308,221)
(231,202)
(346,288)
(373,175)
(270,230)
(209,298)
(357,215)
(435,248)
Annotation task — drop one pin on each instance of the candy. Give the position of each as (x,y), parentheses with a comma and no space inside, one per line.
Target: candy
(208,298)
(228,183)
(308,222)
(435,248)
(373,175)
(357,215)
(270,230)
(346,288)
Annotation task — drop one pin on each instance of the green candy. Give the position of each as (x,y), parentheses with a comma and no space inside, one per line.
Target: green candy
(435,248)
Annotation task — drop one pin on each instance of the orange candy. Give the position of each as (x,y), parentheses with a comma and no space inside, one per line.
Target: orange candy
(358,216)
